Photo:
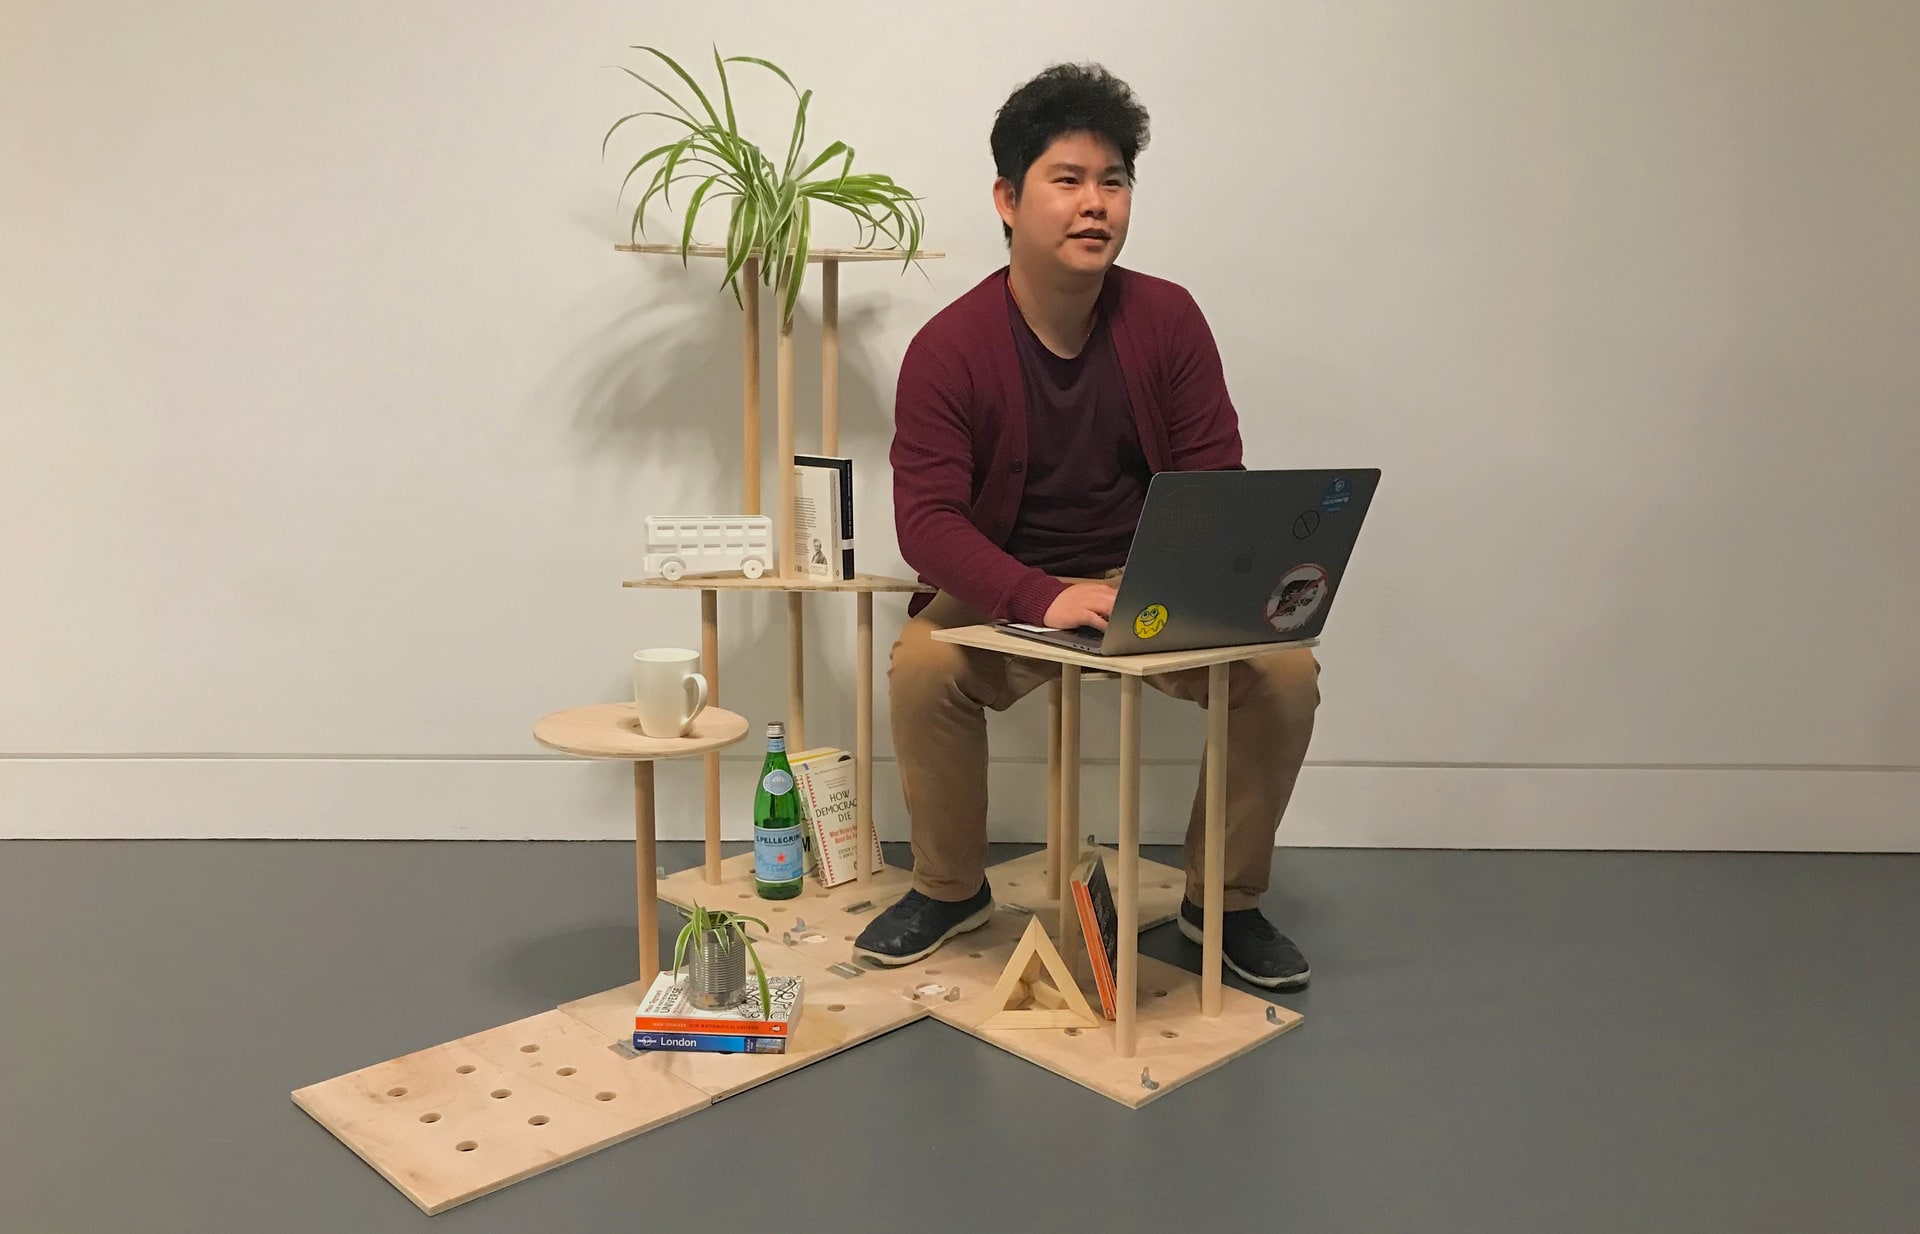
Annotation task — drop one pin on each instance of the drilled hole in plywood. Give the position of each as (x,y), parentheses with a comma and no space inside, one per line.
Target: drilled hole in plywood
(1013,882)
(603,1096)
(1166,886)
(465,1146)
(529,1049)
(933,972)
(465,1068)
(564,1071)
(430,1117)
(1168,1033)
(502,1092)
(538,1120)
(1159,993)
(396,1092)
(1073,1032)
(746,895)
(834,1006)
(778,908)
(848,937)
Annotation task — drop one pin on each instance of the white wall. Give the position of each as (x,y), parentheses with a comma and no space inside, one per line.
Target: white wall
(328,416)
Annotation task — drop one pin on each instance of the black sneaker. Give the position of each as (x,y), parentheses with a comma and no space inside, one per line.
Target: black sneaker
(1251,947)
(916,925)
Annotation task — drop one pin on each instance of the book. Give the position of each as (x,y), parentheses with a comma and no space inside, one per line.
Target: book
(830,814)
(667,1020)
(1099,925)
(823,516)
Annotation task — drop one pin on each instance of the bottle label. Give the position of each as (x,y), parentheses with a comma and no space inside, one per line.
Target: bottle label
(777,854)
(777,782)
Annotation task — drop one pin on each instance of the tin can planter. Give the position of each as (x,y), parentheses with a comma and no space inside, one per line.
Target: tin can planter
(714,948)
(716,970)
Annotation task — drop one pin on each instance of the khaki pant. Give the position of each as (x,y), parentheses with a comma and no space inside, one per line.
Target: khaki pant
(939,693)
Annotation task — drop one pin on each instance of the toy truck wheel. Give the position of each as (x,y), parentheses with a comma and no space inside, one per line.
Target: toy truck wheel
(753,567)
(672,569)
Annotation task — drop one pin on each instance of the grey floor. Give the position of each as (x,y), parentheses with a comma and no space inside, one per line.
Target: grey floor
(1494,1042)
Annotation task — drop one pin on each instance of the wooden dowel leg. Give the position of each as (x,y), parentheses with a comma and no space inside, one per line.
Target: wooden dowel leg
(796,674)
(863,735)
(830,357)
(1069,772)
(1212,910)
(1128,892)
(783,458)
(646,890)
(710,669)
(1056,857)
(749,277)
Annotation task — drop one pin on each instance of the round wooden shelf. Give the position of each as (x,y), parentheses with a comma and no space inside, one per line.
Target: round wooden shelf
(611,730)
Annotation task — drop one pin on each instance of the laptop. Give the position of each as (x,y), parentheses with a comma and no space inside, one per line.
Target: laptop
(1227,558)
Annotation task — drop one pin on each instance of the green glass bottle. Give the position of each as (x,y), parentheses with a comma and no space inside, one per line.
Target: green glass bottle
(779,866)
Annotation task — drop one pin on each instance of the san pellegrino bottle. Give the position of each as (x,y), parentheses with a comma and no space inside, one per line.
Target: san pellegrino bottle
(778,864)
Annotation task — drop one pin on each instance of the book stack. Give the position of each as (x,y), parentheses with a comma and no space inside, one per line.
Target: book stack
(824,779)
(823,516)
(667,1020)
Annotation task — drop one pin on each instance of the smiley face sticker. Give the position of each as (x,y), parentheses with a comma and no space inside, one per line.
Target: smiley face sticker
(1152,620)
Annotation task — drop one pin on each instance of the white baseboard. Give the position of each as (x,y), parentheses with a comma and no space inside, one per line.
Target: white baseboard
(1792,809)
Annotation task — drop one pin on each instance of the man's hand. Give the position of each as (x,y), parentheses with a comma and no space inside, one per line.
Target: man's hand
(1082,604)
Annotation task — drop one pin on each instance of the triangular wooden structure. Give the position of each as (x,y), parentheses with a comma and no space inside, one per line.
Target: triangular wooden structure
(1047,998)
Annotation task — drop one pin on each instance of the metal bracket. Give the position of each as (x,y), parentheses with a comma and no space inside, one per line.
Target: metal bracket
(1147,1081)
(1273,1014)
(846,970)
(858,906)
(624,1049)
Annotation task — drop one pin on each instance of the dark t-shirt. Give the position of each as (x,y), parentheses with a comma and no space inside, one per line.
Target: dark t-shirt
(1086,476)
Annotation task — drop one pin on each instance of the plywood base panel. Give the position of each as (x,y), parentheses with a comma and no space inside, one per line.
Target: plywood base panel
(456,1121)
(1176,1042)
(838,1012)
(833,916)
(1023,882)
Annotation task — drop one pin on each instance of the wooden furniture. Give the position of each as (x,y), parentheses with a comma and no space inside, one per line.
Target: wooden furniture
(788,579)
(611,730)
(1130,670)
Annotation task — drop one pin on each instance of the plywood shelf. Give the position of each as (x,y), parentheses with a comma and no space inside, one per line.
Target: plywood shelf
(771,582)
(813,255)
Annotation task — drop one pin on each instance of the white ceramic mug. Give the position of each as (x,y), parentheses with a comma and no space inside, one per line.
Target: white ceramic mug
(668,690)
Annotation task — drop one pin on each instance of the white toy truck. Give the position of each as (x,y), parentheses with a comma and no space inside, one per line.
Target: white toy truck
(683,544)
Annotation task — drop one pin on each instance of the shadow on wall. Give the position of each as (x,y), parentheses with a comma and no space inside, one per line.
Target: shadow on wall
(661,380)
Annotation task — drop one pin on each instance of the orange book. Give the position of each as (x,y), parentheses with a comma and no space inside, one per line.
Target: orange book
(1099,925)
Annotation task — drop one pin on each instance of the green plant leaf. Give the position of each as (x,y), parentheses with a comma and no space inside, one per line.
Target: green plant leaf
(690,118)
(726,92)
(805,232)
(693,212)
(821,159)
(713,117)
(767,64)
(799,132)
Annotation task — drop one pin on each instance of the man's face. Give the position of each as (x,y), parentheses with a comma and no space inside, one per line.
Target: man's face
(1073,208)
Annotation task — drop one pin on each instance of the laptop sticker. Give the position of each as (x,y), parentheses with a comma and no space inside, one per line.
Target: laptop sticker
(1306,524)
(1301,592)
(1338,494)
(1152,620)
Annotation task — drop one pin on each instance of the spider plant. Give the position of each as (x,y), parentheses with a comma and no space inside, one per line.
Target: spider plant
(728,928)
(771,212)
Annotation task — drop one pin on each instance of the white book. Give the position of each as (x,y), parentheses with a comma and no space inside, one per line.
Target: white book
(825,781)
(823,516)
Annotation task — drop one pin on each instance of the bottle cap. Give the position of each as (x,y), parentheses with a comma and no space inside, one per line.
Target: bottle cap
(776,728)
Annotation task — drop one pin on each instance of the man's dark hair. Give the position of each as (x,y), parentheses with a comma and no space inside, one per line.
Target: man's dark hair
(1065,99)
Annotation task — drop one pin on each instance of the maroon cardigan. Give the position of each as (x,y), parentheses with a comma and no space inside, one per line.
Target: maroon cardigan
(960,430)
